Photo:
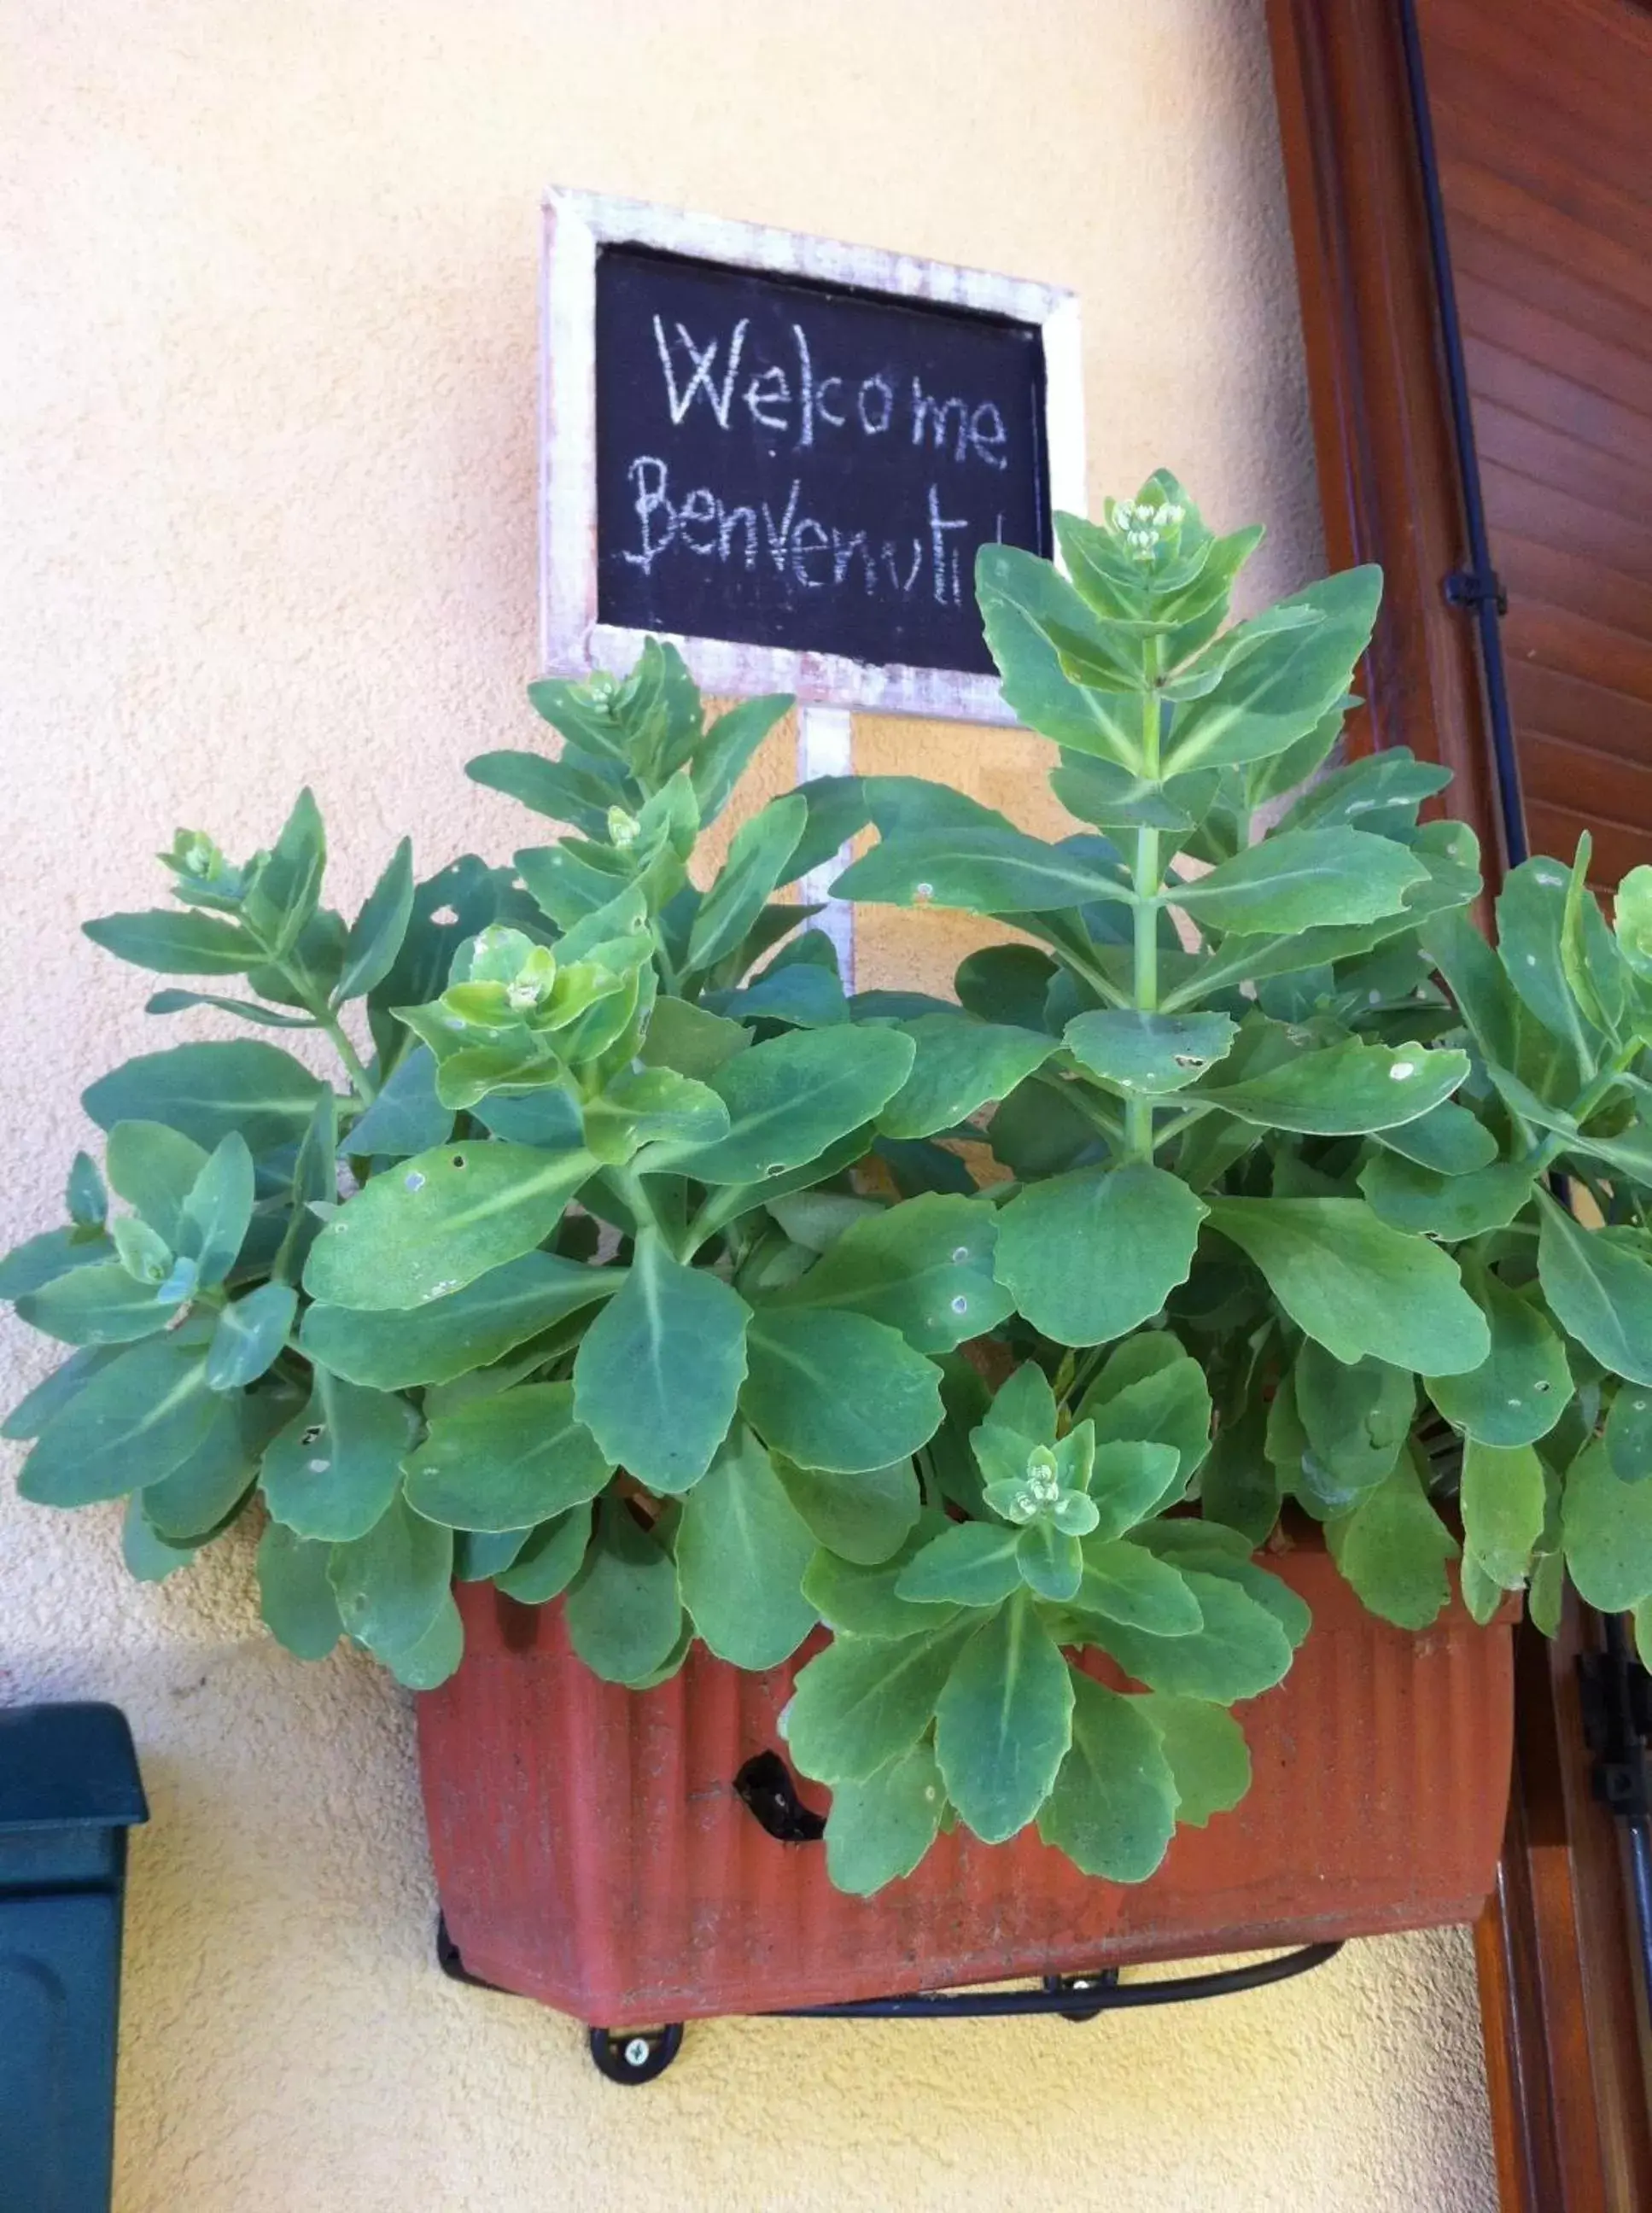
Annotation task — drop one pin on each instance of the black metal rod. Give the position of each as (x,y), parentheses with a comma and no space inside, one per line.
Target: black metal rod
(1175,1990)
(1462,420)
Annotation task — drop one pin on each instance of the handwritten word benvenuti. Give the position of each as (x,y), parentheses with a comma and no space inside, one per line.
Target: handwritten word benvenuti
(786,465)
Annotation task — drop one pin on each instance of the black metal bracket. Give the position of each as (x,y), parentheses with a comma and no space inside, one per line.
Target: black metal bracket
(635,2056)
(1616,1692)
(1476,587)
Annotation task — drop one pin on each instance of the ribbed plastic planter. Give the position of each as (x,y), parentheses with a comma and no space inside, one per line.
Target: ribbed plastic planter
(591,1849)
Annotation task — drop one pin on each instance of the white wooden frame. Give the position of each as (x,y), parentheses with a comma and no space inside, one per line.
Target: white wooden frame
(572,641)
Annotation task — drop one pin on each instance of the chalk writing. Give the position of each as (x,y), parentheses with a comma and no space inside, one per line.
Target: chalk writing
(788,464)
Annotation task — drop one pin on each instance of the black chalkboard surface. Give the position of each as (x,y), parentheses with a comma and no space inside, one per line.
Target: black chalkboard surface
(787,463)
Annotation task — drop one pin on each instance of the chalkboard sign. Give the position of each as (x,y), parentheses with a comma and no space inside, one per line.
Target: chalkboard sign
(784,454)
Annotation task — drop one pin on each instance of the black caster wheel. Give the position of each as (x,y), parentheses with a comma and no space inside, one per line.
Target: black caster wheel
(1103,1979)
(635,2055)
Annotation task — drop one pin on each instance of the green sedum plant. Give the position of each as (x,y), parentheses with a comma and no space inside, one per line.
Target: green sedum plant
(629,1261)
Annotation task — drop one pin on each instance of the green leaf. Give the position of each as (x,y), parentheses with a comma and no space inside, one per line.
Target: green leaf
(1357,1417)
(202,1492)
(977,870)
(1210,1760)
(1380,795)
(478,1555)
(1128,1480)
(862,1703)
(1598,1291)
(148,1556)
(658,1372)
(1531,918)
(406,1117)
(720,757)
(1020,598)
(437,1222)
(1025,1405)
(1355,1285)
(1503,1506)
(685,1037)
(54,1391)
(1147,1055)
(187,944)
(837,1391)
(622,1609)
(376,933)
(962,1064)
(40,1260)
(548,1561)
(295,1597)
(1088,1255)
(333,1471)
(1242,1650)
(1125,1583)
(1112,1807)
(506,1462)
(251,1333)
(864,1516)
(450,1337)
(102,1304)
(790,1099)
(433,1657)
(879,1830)
(1238,1485)
(85,1196)
(285,888)
(1452,1207)
(1205,1548)
(860,1600)
(742,1550)
(923,1267)
(246,1010)
(1275,694)
(969,1563)
(145,1257)
(1344,1089)
(131,1422)
(1114,798)
(217,1210)
(1392,1549)
(756,864)
(1003,1722)
(206,1091)
(1522,1387)
(1446,1140)
(1629,1435)
(575,788)
(1006,984)
(1298,880)
(1048,1551)
(391,1583)
(1606,1529)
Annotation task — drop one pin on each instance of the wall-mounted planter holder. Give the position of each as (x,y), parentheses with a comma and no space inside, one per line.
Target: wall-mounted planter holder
(70,1790)
(594,1849)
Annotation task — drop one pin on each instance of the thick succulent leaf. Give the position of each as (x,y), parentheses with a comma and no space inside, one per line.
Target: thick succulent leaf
(721,756)
(978,871)
(864,1517)
(431,1659)
(449,1336)
(923,1267)
(1606,1529)
(1088,1255)
(206,1091)
(436,1222)
(1022,598)
(1503,1505)
(187,944)
(549,1559)
(54,1391)
(296,1596)
(879,1830)
(1598,1291)
(756,864)
(251,1334)
(968,1563)
(1629,1433)
(1392,1549)
(391,1583)
(40,1260)
(1447,1140)
(790,1099)
(1271,697)
(478,1555)
(333,1471)
(576,789)
(837,1391)
(130,1424)
(863,1702)
(376,933)
(506,1462)
(1451,1207)
(1147,1055)
(622,1611)
(217,1208)
(1114,798)
(1003,1722)
(742,1551)
(1112,1807)
(1344,1089)
(102,1304)
(1210,1760)
(1126,1583)
(148,1557)
(1380,795)
(1522,1387)
(1240,1651)
(1355,1285)
(1357,1417)
(962,1064)
(1304,879)
(406,1117)
(660,1371)
(1530,920)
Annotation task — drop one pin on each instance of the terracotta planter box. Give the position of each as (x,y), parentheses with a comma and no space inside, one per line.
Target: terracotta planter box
(591,1852)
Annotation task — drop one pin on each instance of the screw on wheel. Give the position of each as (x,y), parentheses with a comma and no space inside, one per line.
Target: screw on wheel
(1105,1978)
(637,2055)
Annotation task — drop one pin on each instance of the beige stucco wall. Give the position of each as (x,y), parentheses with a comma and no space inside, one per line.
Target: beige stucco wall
(268,319)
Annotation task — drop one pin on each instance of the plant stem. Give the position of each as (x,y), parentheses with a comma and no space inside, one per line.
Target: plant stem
(1144,917)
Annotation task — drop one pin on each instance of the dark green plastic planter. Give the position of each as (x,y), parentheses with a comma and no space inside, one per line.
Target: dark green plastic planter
(69,1792)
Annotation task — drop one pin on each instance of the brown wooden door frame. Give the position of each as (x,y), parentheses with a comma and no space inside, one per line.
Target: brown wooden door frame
(1561,2011)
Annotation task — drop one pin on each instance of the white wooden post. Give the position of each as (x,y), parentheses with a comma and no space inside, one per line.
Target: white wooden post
(825,747)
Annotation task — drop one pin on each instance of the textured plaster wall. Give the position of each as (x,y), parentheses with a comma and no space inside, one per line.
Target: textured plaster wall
(266,473)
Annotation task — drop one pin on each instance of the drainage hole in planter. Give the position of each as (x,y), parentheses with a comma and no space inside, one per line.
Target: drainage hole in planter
(764,1785)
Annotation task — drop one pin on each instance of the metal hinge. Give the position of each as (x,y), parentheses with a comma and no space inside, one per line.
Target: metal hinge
(1616,1692)
(1476,587)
